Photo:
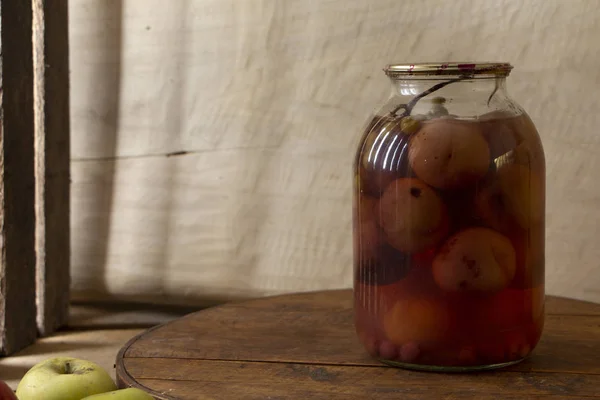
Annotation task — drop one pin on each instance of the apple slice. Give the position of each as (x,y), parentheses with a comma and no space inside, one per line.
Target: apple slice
(64,378)
(122,394)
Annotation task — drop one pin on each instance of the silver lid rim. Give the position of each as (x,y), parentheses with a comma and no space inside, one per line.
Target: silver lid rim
(468,68)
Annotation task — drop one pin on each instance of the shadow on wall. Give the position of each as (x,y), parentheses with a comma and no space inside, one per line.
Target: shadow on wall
(158,185)
(94,252)
(109,170)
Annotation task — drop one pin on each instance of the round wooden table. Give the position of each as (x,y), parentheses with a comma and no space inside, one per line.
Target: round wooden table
(303,346)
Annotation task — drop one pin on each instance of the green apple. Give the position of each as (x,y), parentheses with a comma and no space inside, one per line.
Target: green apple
(122,394)
(6,393)
(64,378)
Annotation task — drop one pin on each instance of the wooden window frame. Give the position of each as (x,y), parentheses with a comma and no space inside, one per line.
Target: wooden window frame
(34,171)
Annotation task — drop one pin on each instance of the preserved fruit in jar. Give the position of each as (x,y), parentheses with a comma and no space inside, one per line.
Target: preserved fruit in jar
(449,222)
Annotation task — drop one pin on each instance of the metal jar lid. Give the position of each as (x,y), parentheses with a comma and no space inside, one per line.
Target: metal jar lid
(498,69)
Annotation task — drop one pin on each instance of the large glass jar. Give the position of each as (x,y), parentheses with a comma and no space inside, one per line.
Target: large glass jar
(449,212)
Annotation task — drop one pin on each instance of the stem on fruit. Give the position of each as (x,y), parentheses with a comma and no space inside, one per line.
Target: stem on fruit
(68,369)
(411,104)
(496,87)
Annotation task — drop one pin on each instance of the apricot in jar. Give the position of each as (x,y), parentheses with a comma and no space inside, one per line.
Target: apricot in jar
(475,260)
(419,320)
(448,153)
(497,128)
(385,266)
(512,199)
(508,310)
(412,215)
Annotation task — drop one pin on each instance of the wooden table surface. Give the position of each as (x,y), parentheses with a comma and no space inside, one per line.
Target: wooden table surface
(303,346)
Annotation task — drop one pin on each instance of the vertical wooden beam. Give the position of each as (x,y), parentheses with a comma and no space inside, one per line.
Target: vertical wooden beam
(52,151)
(17,182)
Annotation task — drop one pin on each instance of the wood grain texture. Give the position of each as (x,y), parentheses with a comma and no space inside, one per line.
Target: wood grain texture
(51,95)
(263,101)
(17,183)
(255,380)
(304,346)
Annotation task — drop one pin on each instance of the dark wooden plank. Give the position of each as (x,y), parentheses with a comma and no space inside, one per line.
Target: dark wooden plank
(194,379)
(324,327)
(305,346)
(17,183)
(51,60)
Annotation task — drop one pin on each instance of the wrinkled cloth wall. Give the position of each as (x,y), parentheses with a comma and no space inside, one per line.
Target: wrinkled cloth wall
(263,102)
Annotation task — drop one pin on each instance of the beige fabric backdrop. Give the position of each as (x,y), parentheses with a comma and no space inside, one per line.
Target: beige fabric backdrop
(266,99)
